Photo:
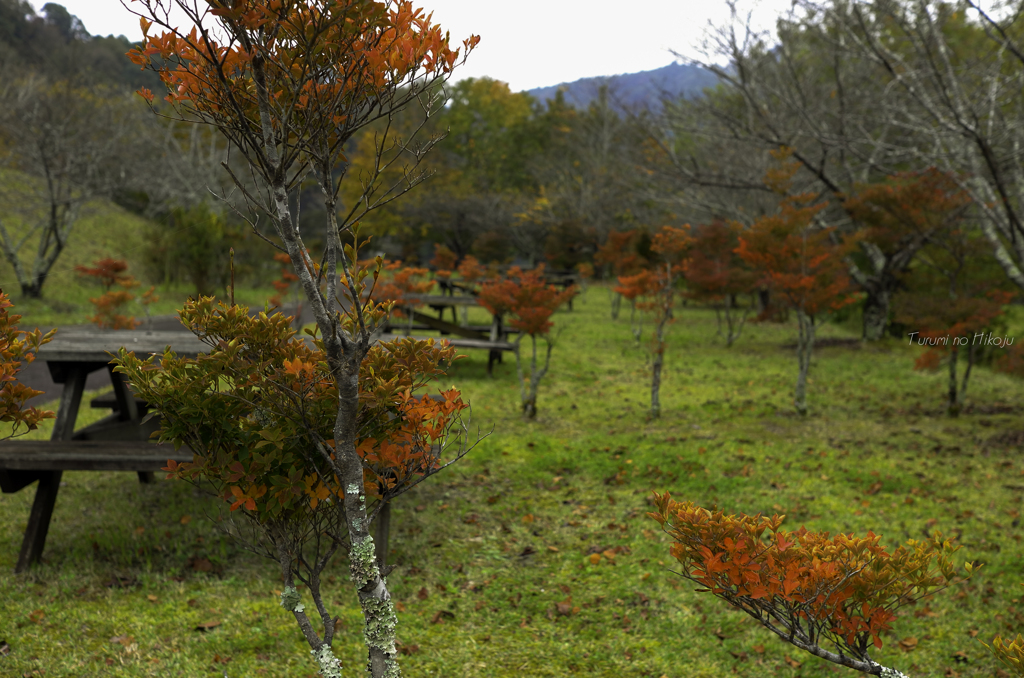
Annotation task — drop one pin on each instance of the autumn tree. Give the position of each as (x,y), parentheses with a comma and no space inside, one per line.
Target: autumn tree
(809,590)
(18,347)
(529,302)
(896,218)
(716,275)
(953,302)
(289,84)
(655,292)
(117,294)
(797,259)
(618,257)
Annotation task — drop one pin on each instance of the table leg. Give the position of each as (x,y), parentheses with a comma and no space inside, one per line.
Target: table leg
(49,481)
(128,411)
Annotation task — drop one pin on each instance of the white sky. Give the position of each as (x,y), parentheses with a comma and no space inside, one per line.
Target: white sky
(535,43)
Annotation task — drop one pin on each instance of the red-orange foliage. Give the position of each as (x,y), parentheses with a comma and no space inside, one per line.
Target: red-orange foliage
(18,347)
(619,253)
(906,205)
(471,270)
(110,304)
(802,585)
(369,44)
(800,265)
(526,297)
(403,282)
(444,261)
(714,270)
(108,272)
(284,284)
(944,322)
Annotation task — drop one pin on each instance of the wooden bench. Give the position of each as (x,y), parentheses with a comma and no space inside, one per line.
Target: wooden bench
(23,462)
(494,348)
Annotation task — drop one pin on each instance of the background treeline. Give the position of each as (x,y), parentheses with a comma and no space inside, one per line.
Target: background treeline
(903,119)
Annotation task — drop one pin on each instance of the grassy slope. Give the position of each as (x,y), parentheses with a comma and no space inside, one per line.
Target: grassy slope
(103,230)
(489,548)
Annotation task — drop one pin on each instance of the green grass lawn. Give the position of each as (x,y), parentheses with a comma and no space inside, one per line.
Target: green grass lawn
(488,549)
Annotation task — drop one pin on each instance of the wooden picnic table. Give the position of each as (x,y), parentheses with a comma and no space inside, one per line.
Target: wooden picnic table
(493,338)
(117,442)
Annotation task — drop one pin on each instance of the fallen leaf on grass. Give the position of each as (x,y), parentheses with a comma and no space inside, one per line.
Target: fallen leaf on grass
(123,640)
(36,616)
(201,564)
(553,549)
(595,558)
(441,615)
(423,593)
(792,662)
(758,649)
(151,598)
(406,649)
(217,659)
(399,606)
(185,520)
(207,625)
(908,643)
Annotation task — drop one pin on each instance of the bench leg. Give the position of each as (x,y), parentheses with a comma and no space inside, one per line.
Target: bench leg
(39,520)
(146,477)
(49,481)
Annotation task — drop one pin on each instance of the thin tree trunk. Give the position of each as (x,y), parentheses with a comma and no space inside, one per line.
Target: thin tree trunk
(616,304)
(658,362)
(962,395)
(731,321)
(804,346)
(528,393)
(953,401)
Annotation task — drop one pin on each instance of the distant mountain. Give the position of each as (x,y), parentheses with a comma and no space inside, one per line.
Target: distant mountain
(634,90)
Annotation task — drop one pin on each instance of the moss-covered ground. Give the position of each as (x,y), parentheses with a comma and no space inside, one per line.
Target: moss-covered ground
(495,576)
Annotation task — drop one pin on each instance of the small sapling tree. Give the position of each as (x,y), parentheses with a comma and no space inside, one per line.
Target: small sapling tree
(716,275)
(802,268)
(952,305)
(530,302)
(618,257)
(654,292)
(809,590)
(18,347)
(444,261)
(258,410)
(110,305)
(289,83)
(631,288)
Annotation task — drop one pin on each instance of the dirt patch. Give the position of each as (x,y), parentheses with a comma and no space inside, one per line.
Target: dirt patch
(1007,440)
(830,342)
